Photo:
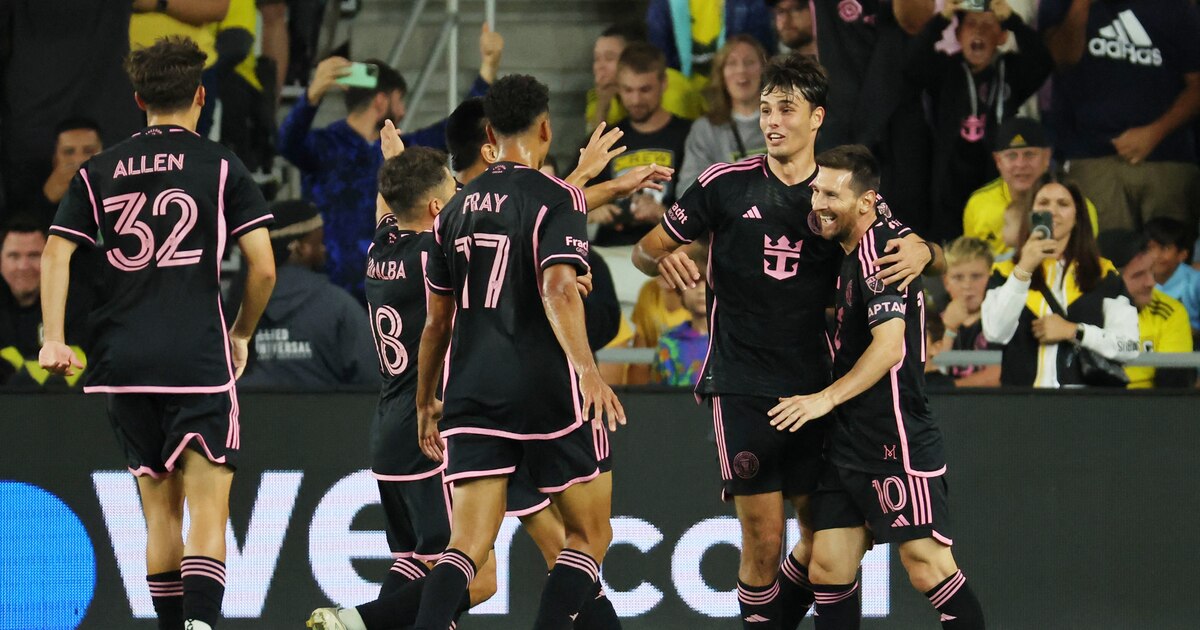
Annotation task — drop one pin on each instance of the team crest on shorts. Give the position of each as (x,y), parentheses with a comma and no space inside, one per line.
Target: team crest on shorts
(745,465)
(875,284)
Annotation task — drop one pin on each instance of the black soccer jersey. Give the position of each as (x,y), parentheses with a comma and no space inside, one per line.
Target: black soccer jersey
(163,206)
(770,279)
(888,428)
(507,374)
(396,303)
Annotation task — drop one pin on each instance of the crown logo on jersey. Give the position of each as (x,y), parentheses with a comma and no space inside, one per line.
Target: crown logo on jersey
(781,257)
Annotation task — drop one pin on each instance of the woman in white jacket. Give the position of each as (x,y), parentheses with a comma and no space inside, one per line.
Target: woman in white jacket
(1099,315)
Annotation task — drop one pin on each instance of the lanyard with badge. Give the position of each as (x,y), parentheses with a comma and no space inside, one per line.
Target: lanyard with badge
(975,126)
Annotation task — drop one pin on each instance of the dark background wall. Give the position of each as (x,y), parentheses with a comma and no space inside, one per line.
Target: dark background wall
(1070,510)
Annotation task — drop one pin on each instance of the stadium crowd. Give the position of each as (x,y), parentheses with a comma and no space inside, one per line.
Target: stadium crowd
(983,120)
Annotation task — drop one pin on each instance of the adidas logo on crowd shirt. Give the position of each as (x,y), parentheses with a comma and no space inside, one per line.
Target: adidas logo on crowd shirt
(1126,39)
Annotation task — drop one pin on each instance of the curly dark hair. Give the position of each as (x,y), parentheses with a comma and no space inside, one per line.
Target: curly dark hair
(466,133)
(797,73)
(514,102)
(166,74)
(404,180)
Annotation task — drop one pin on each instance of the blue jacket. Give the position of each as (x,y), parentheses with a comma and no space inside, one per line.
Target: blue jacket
(670,27)
(339,170)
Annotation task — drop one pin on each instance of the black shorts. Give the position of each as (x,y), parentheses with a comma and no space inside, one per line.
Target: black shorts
(895,507)
(418,517)
(395,452)
(153,429)
(552,465)
(755,458)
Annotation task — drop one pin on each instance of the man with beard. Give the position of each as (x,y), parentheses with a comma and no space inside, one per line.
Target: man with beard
(794,26)
(339,163)
(652,136)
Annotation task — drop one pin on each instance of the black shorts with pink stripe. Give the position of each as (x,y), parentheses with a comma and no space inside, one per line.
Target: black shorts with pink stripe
(552,465)
(154,429)
(418,515)
(895,507)
(755,458)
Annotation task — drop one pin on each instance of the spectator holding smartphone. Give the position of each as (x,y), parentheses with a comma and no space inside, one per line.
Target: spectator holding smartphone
(1062,263)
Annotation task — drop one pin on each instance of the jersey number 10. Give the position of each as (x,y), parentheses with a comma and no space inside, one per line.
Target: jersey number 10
(168,254)
(498,242)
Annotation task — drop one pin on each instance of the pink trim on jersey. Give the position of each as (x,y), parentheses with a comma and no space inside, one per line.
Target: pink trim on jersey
(156,389)
(583,479)
(719,429)
(918,489)
(679,237)
(170,463)
(265,217)
(437,233)
(59,228)
(537,229)
(221,255)
(578,199)
(515,436)
(712,317)
(147,471)
(476,474)
(429,283)
(447,494)
(895,384)
(581,260)
(416,477)
(530,510)
(91,196)
(722,168)
(942,539)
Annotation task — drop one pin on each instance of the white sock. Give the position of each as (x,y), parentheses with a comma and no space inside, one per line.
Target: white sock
(193,624)
(351,618)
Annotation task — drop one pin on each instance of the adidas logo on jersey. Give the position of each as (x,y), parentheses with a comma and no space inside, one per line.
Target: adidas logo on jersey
(756,619)
(1127,39)
(752,213)
(900,521)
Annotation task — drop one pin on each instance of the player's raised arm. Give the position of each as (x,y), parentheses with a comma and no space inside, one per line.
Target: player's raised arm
(564,309)
(260,281)
(435,339)
(657,254)
(884,352)
(55,355)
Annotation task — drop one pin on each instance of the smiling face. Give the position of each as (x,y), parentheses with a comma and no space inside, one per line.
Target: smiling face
(837,206)
(742,73)
(1056,199)
(788,122)
(21,264)
(1139,279)
(979,35)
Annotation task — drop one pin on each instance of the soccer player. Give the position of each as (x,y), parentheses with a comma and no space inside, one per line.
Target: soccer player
(162,206)
(510,247)
(886,478)
(770,278)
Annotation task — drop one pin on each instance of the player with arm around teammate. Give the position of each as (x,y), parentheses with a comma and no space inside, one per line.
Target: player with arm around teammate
(885,481)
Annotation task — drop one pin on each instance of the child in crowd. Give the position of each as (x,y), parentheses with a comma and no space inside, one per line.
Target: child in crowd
(681,349)
(1171,244)
(968,268)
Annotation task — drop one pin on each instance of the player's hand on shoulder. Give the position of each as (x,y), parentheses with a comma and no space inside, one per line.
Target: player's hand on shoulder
(792,413)
(599,401)
(390,142)
(428,417)
(904,263)
(241,352)
(58,358)
(679,270)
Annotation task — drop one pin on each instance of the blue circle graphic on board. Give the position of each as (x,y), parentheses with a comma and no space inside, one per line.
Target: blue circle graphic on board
(47,563)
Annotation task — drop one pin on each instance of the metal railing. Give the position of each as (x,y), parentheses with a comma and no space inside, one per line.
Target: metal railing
(945,359)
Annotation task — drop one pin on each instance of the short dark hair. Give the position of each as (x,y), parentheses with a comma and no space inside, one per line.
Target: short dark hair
(389,81)
(642,58)
(627,31)
(1121,246)
(76,122)
(514,102)
(21,224)
(405,179)
(165,75)
(1170,232)
(797,73)
(856,158)
(466,133)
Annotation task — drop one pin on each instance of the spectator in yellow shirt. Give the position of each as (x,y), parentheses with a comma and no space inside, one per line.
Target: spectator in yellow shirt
(1162,321)
(1022,155)
(603,104)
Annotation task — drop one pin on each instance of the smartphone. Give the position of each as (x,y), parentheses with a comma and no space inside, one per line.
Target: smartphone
(978,6)
(361,75)
(1043,223)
